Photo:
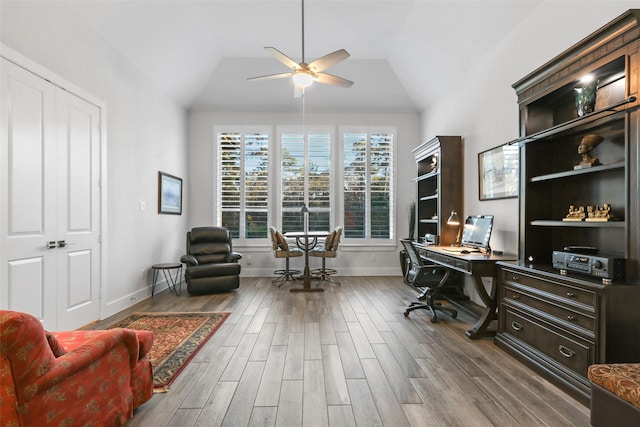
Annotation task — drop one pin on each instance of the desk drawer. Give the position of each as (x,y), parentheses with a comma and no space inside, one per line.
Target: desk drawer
(571,352)
(559,289)
(566,314)
(456,263)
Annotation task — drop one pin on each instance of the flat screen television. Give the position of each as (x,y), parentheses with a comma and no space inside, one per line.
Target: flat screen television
(477,231)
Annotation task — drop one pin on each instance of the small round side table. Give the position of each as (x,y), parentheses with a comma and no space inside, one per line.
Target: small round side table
(173,283)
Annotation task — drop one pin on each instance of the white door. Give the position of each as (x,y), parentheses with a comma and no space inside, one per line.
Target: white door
(49,192)
(78,211)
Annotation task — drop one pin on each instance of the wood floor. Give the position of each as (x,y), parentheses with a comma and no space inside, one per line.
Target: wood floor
(346,357)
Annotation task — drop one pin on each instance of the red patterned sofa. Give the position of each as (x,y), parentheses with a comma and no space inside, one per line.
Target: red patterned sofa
(77,378)
(615,394)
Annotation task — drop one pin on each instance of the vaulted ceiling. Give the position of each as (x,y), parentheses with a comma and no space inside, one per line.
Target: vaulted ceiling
(404,53)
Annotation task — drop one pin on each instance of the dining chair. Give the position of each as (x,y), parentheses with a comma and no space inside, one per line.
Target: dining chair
(281,250)
(329,250)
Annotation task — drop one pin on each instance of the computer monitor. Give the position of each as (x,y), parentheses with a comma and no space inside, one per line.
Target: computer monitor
(477,231)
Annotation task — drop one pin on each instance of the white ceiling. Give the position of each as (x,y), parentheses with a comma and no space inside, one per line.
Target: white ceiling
(404,53)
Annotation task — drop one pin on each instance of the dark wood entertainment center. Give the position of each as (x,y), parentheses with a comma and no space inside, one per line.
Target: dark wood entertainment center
(559,324)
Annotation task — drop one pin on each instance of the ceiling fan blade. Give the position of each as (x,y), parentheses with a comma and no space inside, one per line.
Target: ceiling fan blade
(271,76)
(283,58)
(332,80)
(329,60)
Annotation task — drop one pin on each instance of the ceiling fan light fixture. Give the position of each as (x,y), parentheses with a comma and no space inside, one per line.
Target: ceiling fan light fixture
(302,79)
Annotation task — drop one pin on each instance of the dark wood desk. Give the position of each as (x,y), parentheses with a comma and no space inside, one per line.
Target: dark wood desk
(306,241)
(477,265)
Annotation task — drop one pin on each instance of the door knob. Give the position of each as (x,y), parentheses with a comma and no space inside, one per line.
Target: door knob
(51,244)
(62,243)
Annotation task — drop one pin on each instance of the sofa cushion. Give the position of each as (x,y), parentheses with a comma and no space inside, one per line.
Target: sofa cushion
(56,347)
(621,379)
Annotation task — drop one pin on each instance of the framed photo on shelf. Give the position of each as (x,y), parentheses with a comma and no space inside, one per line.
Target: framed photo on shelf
(498,170)
(169,194)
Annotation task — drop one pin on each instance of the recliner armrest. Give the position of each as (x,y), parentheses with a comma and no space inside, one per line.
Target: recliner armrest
(189,260)
(233,257)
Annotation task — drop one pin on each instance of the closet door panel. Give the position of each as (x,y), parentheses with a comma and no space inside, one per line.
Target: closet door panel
(78,127)
(27,189)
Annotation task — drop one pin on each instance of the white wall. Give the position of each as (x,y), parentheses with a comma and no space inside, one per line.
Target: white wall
(146,132)
(485,110)
(351,261)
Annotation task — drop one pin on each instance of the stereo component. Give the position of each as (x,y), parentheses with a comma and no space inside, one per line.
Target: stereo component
(603,266)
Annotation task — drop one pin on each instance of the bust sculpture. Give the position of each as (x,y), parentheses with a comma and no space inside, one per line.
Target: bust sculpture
(588,143)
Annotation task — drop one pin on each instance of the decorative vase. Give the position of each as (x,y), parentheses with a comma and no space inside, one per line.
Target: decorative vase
(586,98)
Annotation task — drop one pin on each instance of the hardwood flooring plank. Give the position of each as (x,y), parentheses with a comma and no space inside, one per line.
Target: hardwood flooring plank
(258,320)
(184,417)
(341,416)
(290,407)
(334,376)
(272,377)
(216,407)
(312,347)
(202,388)
(241,405)
(263,416)
(238,362)
(293,364)
(388,406)
(349,356)
(370,329)
(360,341)
(418,416)
(364,407)
(263,344)
(314,400)
(402,387)
(407,363)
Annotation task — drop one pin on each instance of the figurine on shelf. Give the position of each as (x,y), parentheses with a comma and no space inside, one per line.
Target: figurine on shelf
(434,162)
(575,214)
(600,215)
(588,143)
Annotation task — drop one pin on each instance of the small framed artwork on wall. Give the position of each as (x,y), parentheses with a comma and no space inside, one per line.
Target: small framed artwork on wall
(169,194)
(498,170)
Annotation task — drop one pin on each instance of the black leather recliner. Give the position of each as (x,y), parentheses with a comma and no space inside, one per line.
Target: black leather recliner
(212,266)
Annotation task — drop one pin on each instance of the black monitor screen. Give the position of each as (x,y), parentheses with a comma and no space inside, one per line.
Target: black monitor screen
(477,231)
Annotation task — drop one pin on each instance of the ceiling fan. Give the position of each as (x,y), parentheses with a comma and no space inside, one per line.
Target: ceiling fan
(304,74)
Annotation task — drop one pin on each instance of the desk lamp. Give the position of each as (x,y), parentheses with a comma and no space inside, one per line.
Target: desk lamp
(455,220)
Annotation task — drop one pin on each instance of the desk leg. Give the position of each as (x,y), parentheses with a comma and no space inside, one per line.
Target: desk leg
(479,330)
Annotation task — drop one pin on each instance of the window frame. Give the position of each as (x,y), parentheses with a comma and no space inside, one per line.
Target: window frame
(368,241)
(243,130)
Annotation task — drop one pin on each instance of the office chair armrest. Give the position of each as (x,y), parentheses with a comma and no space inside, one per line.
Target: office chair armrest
(233,257)
(189,260)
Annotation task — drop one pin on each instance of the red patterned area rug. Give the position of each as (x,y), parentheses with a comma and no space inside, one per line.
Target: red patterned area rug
(177,339)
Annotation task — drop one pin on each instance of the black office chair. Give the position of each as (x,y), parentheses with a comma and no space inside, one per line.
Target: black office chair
(420,274)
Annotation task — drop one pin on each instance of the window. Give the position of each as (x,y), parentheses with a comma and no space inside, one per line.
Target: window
(368,185)
(243,183)
(264,181)
(305,167)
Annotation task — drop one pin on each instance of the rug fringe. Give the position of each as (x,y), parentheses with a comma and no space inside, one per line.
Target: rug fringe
(163,389)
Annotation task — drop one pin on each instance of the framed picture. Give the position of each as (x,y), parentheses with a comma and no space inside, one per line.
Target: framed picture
(498,170)
(169,194)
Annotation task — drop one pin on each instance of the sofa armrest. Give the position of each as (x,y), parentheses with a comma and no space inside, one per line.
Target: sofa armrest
(80,358)
(189,260)
(233,257)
